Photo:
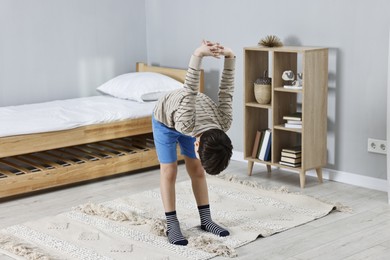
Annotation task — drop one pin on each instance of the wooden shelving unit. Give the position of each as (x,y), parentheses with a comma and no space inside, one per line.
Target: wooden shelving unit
(311,100)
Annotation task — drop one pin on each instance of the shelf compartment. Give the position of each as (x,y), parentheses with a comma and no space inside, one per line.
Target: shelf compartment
(287,105)
(256,62)
(257,119)
(281,140)
(283,61)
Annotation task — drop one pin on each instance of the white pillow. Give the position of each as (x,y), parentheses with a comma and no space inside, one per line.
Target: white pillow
(140,86)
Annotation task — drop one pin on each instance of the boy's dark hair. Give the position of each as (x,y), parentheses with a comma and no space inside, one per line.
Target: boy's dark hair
(215,151)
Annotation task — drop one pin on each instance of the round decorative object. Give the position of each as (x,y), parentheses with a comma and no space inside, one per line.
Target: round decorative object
(270,41)
(288,75)
(262,93)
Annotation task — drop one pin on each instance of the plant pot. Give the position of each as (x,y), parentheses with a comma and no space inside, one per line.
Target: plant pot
(262,93)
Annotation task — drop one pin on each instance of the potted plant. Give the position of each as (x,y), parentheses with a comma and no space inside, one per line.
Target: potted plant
(262,89)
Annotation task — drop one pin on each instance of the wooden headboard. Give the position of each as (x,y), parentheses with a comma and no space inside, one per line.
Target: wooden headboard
(178,74)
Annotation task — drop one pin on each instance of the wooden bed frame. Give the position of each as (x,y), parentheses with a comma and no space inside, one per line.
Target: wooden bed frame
(45,160)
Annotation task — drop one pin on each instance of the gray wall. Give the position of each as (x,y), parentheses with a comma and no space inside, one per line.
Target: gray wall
(56,49)
(356,31)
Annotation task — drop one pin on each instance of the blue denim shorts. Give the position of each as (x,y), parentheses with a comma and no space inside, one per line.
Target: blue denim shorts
(166,139)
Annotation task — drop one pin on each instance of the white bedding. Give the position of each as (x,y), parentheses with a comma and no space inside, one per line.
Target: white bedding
(67,114)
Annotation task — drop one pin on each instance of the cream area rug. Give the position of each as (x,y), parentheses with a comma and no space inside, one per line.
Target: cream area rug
(134,227)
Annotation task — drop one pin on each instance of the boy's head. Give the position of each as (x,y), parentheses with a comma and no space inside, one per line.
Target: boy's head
(214,148)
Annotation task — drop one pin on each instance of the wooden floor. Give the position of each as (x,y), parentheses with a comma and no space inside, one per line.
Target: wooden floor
(362,234)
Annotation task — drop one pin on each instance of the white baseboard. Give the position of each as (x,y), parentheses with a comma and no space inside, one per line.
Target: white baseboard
(338,176)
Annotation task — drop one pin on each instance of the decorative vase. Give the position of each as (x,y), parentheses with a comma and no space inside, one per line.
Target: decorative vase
(262,93)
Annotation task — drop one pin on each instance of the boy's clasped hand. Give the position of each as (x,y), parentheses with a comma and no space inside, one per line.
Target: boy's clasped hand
(213,49)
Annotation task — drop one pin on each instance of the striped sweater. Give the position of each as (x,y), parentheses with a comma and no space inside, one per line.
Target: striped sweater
(191,112)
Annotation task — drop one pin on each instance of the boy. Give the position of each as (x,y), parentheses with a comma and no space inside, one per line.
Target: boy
(198,124)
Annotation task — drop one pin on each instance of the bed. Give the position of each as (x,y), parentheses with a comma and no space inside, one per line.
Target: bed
(52,158)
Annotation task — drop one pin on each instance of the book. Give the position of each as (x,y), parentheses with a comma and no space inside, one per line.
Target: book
(297,116)
(267,156)
(290,160)
(260,143)
(291,155)
(295,122)
(256,144)
(293,149)
(290,164)
(296,126)
(292,87)
(264,144)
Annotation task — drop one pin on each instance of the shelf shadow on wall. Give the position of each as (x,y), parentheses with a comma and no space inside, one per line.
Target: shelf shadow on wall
(333,124)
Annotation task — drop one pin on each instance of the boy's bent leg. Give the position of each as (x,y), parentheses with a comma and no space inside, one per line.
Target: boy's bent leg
(168,195)
(199,187)
(198,180)
(165,140)
(167,185)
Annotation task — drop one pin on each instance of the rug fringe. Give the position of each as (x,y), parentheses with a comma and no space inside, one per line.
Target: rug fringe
(337,206)
(212,246)
(16,246)
(158,227)
(342,208)
(253,184)
(116,215)
(233,178)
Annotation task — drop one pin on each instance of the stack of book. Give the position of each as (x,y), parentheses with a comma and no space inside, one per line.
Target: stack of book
(291,156)
(262,145)
(293,120)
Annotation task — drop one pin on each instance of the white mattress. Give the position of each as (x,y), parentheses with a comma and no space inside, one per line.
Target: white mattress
(67,114)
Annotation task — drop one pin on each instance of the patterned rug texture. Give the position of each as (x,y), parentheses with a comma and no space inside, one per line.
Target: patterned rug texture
(134,227)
